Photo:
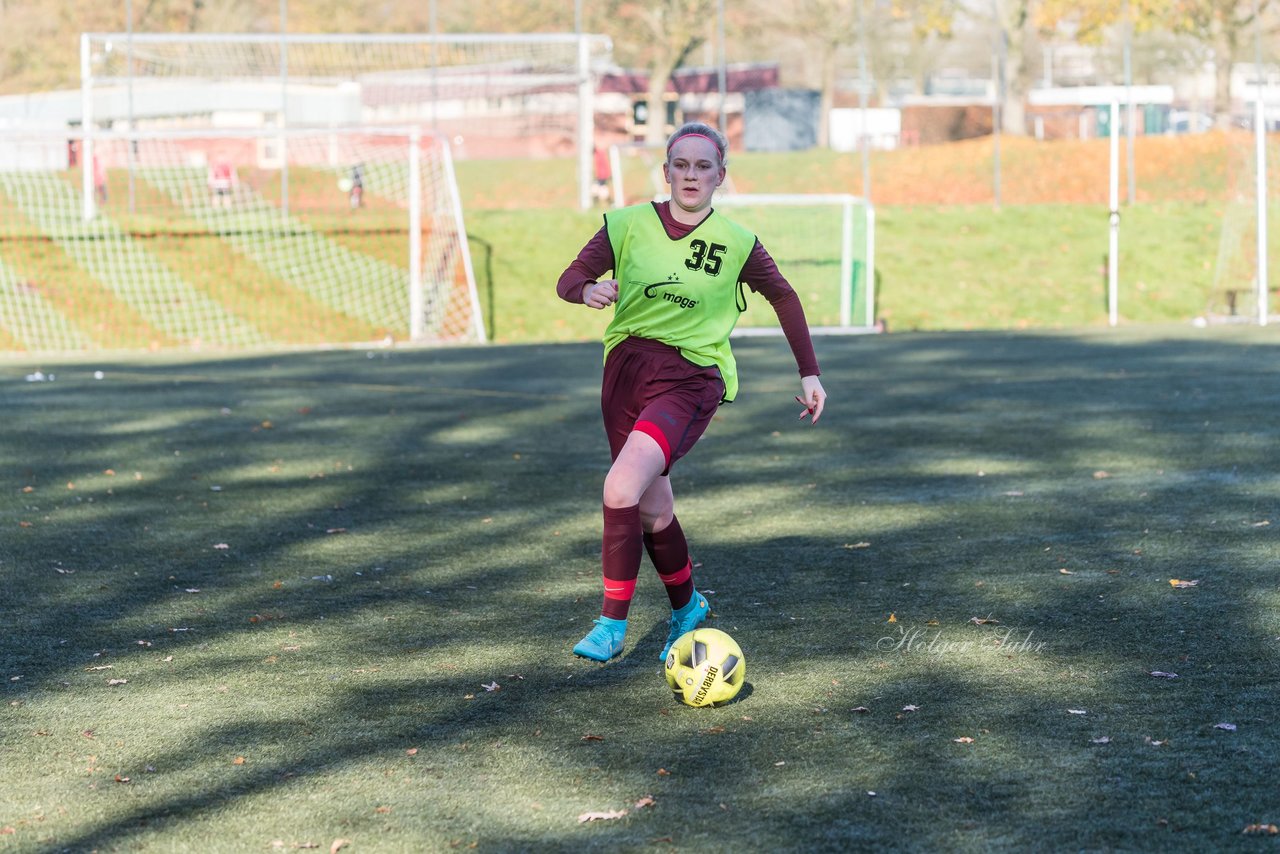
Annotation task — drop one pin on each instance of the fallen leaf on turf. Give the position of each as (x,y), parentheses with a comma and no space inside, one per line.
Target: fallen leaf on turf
(909,708)
(1160,674)
(862,710)
(338,845)
(239,760)
(893,618)
(468,696)
(590,737)
(1151,741)
(7,831)
(715,730)
(601,816)
(492,686)
(663,772)
(1264,523)
(221,546)
(113,682)
(1179,583)
(99,667)
(120,779)
(964,739)
(859,545)
(335,530)
(1260,830)
(1102,739)
(1077,711)
(1101,475)
(646,801)
(984,621)
(412,751)
(382,810)
(779,764)
(1225,726)
(1066,571)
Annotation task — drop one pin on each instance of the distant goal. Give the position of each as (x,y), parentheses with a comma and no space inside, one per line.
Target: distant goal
(824,245)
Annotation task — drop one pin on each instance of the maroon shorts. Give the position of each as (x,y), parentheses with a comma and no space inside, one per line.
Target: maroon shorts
(648,386)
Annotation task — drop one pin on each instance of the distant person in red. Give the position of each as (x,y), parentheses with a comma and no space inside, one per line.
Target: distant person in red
(355,196)
(99,180)
(222,182)
(604,174)
(675,295)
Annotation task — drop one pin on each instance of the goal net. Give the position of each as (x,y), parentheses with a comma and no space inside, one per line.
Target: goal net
(192,239)
(491,95)
(825,247)
(1234,295)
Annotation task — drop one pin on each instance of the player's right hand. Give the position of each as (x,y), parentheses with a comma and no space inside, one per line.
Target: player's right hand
(601,294)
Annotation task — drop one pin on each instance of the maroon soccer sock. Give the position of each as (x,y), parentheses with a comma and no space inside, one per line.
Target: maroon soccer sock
(621,552)
(669,552)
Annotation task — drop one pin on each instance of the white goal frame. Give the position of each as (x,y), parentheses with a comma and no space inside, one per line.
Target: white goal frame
(848,205)
(123,60)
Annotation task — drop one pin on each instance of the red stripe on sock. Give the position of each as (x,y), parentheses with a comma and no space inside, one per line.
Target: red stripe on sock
(622,590)
(680,576)
(650,429)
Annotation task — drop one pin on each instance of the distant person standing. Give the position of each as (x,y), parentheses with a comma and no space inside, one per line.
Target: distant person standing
(604,174)
(99,180)
(355,196)
(222,181)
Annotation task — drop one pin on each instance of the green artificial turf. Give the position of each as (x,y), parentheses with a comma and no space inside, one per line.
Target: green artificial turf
(338,593)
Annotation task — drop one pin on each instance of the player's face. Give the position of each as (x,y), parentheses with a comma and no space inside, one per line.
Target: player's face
(693,169)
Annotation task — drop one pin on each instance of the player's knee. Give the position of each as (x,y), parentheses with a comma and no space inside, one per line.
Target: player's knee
(620,492)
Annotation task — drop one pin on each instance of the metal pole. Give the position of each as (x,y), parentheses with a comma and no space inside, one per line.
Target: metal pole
(871,265)
(1113,251)
(996,119)
(586,123)
(128,6)
(847,283)
(997,104)
(1130,124)
(284,107)
(435,33)
(863,84)
(417,299)
(721,70)
(89,203)
(1260,171)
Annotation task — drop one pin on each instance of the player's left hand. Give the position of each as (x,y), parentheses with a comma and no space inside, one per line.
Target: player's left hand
(812,398)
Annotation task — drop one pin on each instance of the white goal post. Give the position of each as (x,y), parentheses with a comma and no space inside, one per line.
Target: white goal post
(824,244)
(190,246)
(492,95)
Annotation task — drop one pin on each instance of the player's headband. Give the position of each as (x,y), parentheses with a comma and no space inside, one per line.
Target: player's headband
(686,135)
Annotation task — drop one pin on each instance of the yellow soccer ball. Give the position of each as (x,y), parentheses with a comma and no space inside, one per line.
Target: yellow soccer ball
(705,667)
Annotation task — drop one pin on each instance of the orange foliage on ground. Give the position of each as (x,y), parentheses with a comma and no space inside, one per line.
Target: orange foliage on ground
(1196,167)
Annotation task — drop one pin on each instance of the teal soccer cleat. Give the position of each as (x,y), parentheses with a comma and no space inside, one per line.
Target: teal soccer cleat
(686,620)
(604,641)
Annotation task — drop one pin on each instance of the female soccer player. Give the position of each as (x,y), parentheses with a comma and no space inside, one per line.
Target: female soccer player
(677,267)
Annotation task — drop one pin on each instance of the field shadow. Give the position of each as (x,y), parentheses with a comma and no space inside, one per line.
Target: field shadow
(436,511)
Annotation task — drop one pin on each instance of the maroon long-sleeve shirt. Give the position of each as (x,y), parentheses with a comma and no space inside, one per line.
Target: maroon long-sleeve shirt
(760,273)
